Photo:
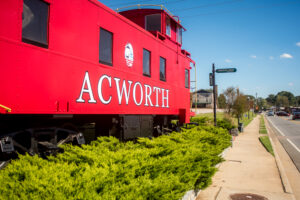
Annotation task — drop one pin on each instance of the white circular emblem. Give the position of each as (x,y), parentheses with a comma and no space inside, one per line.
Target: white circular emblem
(129,54)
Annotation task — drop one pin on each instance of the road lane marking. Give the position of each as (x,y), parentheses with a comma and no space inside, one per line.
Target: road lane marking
(281,133)
(293,145)
(284,135)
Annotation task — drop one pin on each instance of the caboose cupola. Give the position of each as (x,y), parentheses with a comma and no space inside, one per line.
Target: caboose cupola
(160,22)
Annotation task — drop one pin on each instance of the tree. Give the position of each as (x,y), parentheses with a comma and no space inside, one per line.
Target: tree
(289,95)
(230,94)
(261,103)
(222,101)
(297,100)
(240,105)
(250,97)
(282,101)
(271,99)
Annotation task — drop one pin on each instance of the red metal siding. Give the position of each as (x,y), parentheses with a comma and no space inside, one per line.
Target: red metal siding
(36,80)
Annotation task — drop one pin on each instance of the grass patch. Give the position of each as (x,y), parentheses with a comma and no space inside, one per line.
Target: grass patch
(263,131)
(247,121)
(262,126)
(222,115)
(267,144)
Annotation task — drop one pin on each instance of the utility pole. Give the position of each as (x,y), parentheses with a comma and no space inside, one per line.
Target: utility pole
(214,93)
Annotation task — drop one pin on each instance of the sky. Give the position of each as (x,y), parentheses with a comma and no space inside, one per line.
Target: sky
(260,38)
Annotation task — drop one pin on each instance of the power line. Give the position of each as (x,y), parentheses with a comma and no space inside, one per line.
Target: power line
(143,1)
(207,5)
(171,2)
(131,2)
(243,9)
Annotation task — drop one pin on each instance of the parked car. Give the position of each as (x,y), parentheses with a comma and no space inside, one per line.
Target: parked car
(282,113)
(296,115)
(270,113)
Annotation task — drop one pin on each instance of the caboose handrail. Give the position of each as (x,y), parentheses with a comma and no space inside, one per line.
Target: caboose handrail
(139,6)
(5,108)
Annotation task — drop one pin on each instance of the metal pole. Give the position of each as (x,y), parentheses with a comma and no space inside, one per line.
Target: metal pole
(196,89)
(214,93)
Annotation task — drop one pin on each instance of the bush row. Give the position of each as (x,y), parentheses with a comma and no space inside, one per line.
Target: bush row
(159,168)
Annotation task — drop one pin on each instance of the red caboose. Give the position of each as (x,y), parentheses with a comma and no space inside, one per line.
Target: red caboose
(67,64)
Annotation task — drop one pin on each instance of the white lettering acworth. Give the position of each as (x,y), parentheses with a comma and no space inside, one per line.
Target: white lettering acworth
(124,90)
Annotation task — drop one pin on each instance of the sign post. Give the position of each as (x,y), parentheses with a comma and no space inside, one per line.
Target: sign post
(212,82)
(214,92)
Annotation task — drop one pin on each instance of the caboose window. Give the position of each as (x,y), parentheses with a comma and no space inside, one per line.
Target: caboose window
(179,34)
(35,22)
(153,22)
(146,62)
(168,26)
(187,78)
(162,67)
(105,47)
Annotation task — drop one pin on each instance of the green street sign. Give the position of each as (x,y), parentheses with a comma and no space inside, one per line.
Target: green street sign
(226,70)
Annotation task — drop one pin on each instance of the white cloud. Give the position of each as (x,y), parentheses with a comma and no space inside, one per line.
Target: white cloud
(271,58)
(286,55)
(228,61)
(298,44)
(253,56)
(291,84)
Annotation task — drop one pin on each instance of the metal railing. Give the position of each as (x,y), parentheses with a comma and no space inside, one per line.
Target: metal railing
(140,6)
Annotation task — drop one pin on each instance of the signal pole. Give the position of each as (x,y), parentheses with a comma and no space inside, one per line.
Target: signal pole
(214,93)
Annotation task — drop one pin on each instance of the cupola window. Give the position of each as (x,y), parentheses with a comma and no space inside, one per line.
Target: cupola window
(153,22)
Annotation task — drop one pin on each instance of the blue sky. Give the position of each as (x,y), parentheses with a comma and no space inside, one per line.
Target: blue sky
(261,38)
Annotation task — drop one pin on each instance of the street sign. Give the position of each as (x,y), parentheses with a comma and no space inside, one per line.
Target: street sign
(211,79)
(226,70)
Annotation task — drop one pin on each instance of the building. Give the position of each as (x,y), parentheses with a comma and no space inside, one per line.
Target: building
(204,98)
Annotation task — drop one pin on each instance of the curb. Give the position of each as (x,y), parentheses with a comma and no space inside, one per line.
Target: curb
(284,180)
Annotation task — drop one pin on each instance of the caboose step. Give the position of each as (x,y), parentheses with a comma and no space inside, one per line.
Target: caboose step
(6,145)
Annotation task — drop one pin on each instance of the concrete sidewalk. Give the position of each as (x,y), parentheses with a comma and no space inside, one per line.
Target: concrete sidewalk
(248,169)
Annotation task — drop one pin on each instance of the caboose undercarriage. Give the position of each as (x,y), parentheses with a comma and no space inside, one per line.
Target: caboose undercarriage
(42,134)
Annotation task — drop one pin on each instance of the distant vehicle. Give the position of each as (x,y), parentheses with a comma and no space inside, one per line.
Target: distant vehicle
(270,113)
(282,113)
(296,115)
(295,111)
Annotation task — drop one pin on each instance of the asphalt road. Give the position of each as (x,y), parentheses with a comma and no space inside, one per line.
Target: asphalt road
(288,133)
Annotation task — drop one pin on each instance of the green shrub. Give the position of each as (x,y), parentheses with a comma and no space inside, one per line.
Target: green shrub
(160,168)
